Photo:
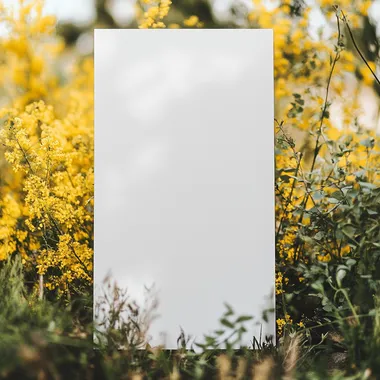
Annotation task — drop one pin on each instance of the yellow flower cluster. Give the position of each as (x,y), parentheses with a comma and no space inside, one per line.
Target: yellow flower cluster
(46,135)
(150,13)
(193,22)
(61,258)
(280,280)
(302,61)
(282,322)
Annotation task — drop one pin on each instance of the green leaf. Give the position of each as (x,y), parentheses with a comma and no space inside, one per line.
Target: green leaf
(306,239)
(243,318)
(369,142)
(333,200)
(337,195)
(340,275)
(350,262)
(368,185)
(318,195)
(227,323)
(289,296)
(229,311)
(327,308)
(349,231)
(372,312)
(318,236)
(318,286)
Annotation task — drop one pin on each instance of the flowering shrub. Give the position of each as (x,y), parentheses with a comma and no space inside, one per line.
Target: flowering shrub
(327,187)
(318,183)
(327,158)
(47,141)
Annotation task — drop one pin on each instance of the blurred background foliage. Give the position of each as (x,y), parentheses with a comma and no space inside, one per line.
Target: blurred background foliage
(326,68)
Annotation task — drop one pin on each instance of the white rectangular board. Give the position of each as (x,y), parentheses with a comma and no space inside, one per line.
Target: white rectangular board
(184,174)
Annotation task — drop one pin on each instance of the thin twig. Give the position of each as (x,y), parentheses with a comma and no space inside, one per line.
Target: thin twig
(344,18)
(317,146)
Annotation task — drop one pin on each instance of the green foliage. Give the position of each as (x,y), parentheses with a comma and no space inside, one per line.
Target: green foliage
(40,339)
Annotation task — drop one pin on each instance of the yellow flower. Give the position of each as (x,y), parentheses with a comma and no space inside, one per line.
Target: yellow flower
(364,6)
(366,73)
(324,257)
(281,323)
(191,21)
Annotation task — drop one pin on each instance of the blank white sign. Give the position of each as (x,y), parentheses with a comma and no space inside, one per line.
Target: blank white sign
(184,173)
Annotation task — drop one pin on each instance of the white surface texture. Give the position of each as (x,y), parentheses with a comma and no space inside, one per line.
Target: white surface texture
(184,173)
